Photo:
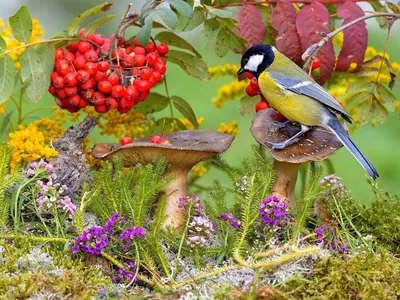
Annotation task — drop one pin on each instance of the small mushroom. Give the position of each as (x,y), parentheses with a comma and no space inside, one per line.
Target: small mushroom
(185,149)
(315,145)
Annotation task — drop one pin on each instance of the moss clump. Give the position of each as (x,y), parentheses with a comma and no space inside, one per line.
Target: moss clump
(363,276)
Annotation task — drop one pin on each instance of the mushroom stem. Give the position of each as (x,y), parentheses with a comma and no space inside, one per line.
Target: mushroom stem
(286,177)
(175,190)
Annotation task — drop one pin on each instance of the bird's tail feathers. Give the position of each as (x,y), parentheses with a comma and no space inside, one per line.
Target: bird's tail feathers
(341,134)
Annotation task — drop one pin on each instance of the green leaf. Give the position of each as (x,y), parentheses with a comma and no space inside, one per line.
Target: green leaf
(171,39)
(367,71)
(46,53)
(210,30)
(188,24)
(182,7)
(33,75)
(185,109)
(219,12)
(143,34)
(378,7)
(168,16)
(144,11)
(92,27)
(247,105)
(367,111)
(393,7)
(154,103)
(3,45)
(192,65)
(166,125)
(73,29)
(6,77)
(21,24)
(222,45)
(387,98)
(358,99)
(6,122)
(359,86)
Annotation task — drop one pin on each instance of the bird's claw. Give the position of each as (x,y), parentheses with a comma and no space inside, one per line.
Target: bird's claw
(283,145)
(279,125)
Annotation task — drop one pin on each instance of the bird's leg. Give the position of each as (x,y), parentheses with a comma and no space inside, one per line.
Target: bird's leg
(280,125)
(291,140)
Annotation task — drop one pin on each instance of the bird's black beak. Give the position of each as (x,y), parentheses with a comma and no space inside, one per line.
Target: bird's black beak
(241,74)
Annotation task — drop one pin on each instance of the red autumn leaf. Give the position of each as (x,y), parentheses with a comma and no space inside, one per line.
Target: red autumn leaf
(250,26)
(355,38)
(283,19)
(310,20)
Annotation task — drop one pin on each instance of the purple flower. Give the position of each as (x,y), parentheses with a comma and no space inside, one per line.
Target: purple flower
(232,221)
(185,202)
(129,234)
(200,230)
(274,212)
(124,274)
(92,241)
(325,237)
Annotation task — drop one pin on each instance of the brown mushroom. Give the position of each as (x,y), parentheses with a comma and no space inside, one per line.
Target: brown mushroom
(315,145)
(185,149)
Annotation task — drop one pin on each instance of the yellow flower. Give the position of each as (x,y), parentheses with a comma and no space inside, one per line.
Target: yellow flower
(189,125)
(398,105)
(338,39)
(199,170)
(220,71)
(231,128)
(2,109)
(230,91)
(370,52)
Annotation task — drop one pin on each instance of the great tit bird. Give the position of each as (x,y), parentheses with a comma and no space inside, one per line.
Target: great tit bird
(296,96)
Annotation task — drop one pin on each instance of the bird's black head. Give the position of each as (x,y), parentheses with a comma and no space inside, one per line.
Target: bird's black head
(256,59)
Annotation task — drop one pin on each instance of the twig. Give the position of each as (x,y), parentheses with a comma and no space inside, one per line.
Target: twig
(118,33)
(312,51)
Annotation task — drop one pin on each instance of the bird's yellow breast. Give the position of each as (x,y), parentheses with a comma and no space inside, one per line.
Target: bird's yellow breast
(294,107)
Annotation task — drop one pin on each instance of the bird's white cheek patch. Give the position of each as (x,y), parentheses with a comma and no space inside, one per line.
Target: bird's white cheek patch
(254,62)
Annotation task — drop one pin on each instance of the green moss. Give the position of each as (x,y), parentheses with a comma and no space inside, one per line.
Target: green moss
(363,276)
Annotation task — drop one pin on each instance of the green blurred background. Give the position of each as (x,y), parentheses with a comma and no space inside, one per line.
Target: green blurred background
(381,144)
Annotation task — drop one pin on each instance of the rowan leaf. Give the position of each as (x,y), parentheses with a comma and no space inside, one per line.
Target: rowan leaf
(250,26)
(154,103)
(191,64)
(370,110)
(219,12)
(171,39)
(355,38)
(283,19)
(357,99)
(21,24)
(310,20)
(166,125)
(358,86)
(390,68)
(182,7)
(168,16)
(210,30)
(143,34)
(378,7)
(93,26)
(3,45)
(247,105)
(73,29)
(387,98)
(188,24)
(222,45)
(46,53)
(185,109)
(6,77)
(393,7)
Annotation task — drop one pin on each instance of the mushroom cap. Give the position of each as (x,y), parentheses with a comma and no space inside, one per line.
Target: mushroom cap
(186,148)
(315,145)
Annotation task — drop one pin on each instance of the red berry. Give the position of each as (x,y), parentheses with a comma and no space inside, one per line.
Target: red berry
(98,98)
(112,103)
(141,85)
(117,91)
(131,93)
(150,47)
(152,82)
(58,82)
(136,42)
(154,139)
(100,76)
(145,74)
(125,104)
(90,68)
(73,109)
(88,94)
(91,55)
(82,32)
(152,59)
(61,93)
(143,96)
(139,50)
(101,108)
(83,76)
(72,47)
(162,141)
(74,100)
(60,53)
(71,79)
(250,91)
(103,66)
(279,117)
(162,49)
(106,46)
(140,60)
(263,99)
(91,37)
(99,39)
(83,103)
(71,90)
(249,75)
(126,140)
(254,84)
(261,105)
(160,68)
(104,86)
(128,49)
(52,90)
(87,85)
(157,76)
(128,61)
(79,62)
(113,78)
(83,46)
(62,68)
(316,63)
(69,57)
(53,76)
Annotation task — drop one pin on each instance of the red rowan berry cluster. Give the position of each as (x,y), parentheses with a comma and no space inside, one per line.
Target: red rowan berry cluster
(85,73)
